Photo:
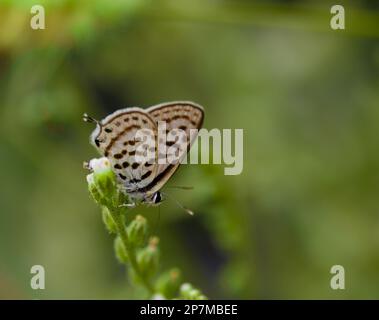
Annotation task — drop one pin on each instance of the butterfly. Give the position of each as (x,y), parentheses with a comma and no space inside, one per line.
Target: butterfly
(118,138)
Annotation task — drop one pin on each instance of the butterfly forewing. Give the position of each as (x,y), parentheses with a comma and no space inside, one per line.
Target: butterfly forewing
(118,140)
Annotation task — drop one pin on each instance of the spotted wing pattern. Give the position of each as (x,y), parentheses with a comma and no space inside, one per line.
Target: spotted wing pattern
(115,138)
(181,115)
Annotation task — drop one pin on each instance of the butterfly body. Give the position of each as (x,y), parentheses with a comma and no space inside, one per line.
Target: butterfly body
(136,140)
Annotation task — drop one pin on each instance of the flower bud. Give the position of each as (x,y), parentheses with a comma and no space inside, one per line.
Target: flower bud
(108,220)
(187,291)
(137,231)
(148,258)
(168,283)
(102,182)
(119,248)
(94,190)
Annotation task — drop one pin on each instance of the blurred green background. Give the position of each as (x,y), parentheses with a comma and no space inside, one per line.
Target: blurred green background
(305,95)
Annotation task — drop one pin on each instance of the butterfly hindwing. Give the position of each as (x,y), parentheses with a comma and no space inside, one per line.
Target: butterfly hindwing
(180,115)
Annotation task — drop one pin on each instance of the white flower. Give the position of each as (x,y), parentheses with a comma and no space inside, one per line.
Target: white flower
(99,165)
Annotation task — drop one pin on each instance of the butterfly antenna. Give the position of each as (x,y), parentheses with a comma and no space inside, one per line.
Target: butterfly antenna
(180,187)
(89,119)
(190,212)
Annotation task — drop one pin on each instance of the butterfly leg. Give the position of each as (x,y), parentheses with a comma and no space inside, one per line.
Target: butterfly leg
(128,205)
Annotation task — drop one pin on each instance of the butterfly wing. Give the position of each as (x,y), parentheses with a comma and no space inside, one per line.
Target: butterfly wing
(115,138)
(183,115)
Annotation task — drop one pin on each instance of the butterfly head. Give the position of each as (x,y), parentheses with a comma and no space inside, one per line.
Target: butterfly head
(94,138)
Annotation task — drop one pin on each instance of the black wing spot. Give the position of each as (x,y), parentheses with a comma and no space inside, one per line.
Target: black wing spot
(117,166)
(125,164)
(118,155)
(108,130)
(147,174)
(135,165)
(124,152)
(122,176)
(97,142)
(157,197)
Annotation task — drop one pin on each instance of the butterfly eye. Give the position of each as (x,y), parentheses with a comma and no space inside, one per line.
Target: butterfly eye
(98,141)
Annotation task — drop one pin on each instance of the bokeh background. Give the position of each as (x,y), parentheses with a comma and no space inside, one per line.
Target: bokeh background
(305,95)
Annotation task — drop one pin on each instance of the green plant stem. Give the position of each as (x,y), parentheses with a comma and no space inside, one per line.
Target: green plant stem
(121,230)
